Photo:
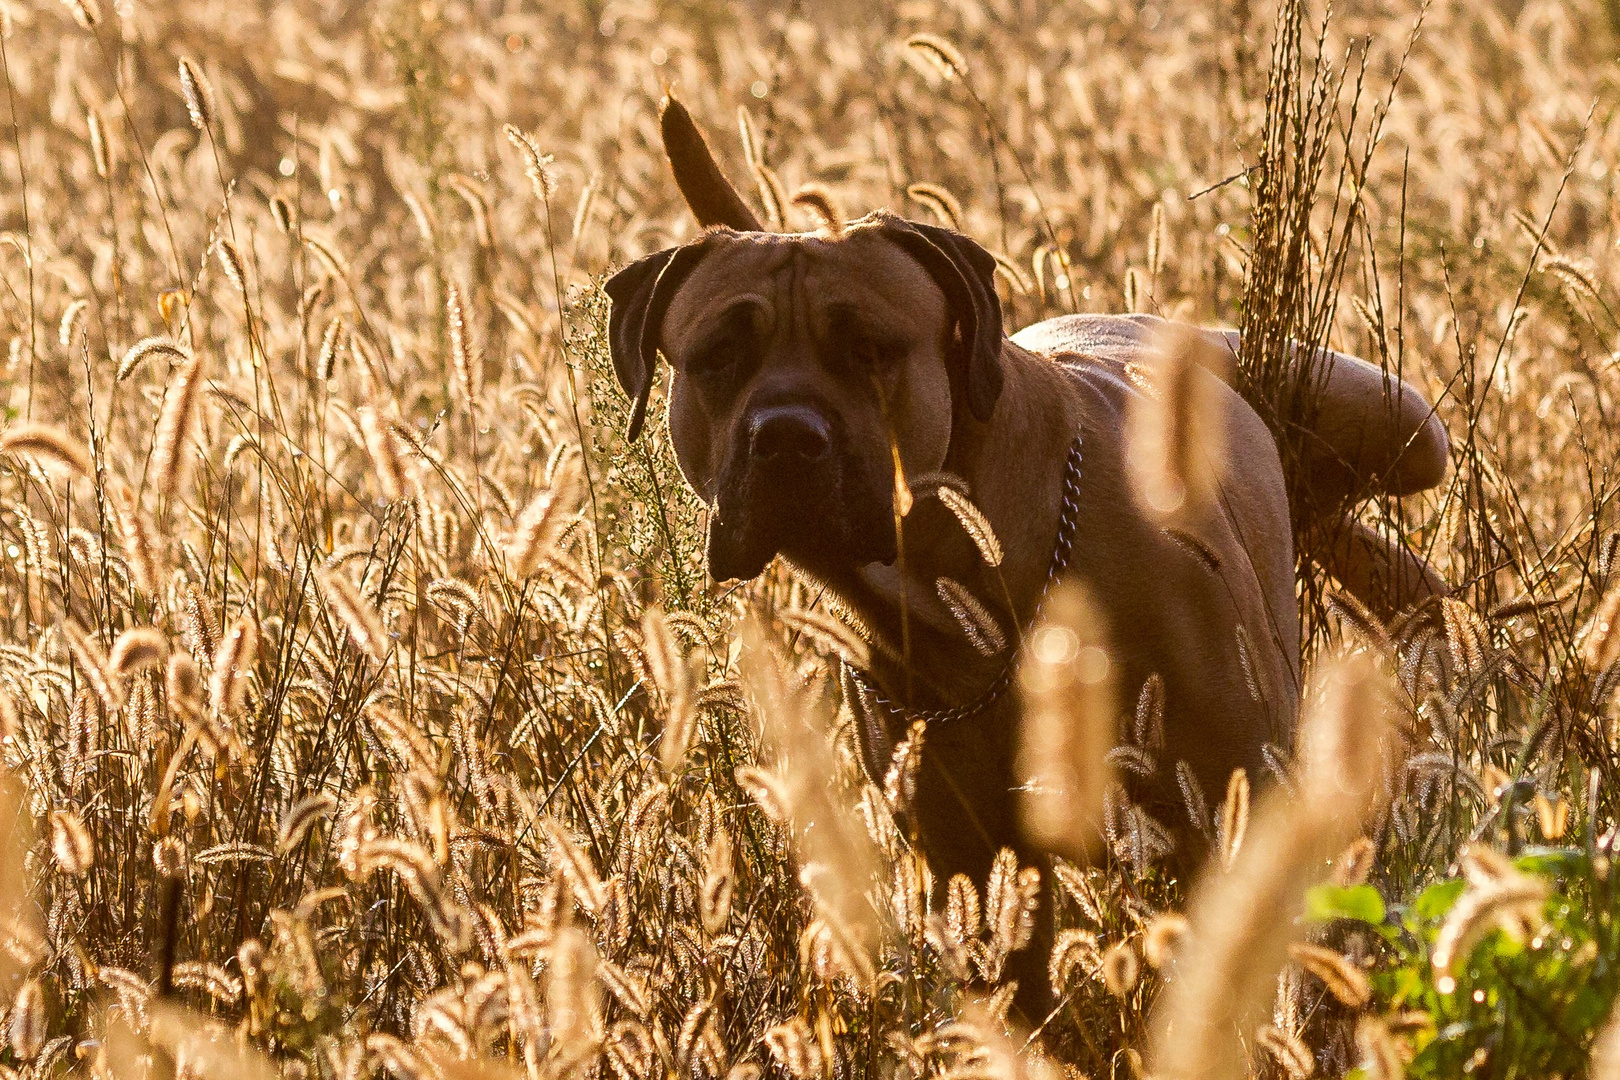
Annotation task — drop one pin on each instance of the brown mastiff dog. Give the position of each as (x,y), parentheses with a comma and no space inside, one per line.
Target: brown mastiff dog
(803,363)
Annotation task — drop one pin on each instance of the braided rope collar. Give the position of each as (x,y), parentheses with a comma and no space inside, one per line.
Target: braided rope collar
(1068,522)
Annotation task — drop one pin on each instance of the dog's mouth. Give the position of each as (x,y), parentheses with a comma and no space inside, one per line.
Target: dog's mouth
(826,513)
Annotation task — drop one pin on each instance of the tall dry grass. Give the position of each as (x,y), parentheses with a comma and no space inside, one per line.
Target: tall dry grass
(364,702)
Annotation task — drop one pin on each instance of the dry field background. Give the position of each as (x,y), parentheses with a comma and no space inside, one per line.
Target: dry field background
(365,707)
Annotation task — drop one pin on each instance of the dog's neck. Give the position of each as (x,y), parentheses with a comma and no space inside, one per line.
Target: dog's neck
(1013,466)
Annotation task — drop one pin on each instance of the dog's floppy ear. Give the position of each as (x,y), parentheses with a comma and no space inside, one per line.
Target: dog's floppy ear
(641,295)
(707,191)
(965,272)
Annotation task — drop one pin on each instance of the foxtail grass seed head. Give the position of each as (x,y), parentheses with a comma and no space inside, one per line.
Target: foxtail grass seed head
(169,857)
(230,261)
(1175,431)
(458,599)
(197,619)
(1234,822)
(198,95)
(1289,1051)
(281,212)
(585,208)
(536,166)
(962,918)
(468,366)
(900,782)
(671,673)
(326,361)
(1345,743)
(49,446)
(380,445)
(796,1049)
(1121,969)
(250,960)
(543,521)
(67,331)
(83,730)
(174,427)
(718,882)
(1133,290)
(93,665)
(1600,637)
(1344,980)
(940,202)
(29,1021)
(300,818)
(980,627)
(821,204)
(974,523)
(1355,863)
(826,631)
(1156,241)
(138,649)
(838,860)
(769,792)
(146,349)
(1552,816)
(1075,956)
(572,997)
(1512,904)
(1070,722)
(1011,896)
(183,685)
(233,666)
(71,845)
(356,613)
(1381,1058)
(939,54)
(1161,938)
(100,150)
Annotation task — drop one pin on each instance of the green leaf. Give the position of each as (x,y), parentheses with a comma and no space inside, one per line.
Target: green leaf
(1359,902)
(1549,862)
(1433,903)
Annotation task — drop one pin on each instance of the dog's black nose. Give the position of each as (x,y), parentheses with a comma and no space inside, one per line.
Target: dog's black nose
(789,433)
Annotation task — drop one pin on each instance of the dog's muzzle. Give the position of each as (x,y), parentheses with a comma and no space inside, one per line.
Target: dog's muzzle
(793,484)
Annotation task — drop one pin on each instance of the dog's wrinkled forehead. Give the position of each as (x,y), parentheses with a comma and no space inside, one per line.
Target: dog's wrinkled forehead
(902,279)
(794,281)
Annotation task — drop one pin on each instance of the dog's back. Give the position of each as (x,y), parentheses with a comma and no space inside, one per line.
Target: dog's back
(1222,577)
(1370,433)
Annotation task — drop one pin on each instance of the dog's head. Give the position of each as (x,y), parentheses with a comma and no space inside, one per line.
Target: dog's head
(802,365)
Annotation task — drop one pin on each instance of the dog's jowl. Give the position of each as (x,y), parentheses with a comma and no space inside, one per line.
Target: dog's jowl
(805,364)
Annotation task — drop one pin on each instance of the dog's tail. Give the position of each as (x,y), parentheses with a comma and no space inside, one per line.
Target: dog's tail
(1369,433)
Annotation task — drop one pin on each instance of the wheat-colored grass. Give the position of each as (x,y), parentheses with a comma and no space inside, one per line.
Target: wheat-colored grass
(363,704)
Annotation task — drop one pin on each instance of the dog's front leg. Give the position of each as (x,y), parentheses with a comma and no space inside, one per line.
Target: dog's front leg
(965,812)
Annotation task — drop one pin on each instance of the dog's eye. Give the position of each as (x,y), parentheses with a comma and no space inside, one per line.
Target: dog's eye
(720,355)
(870,354)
